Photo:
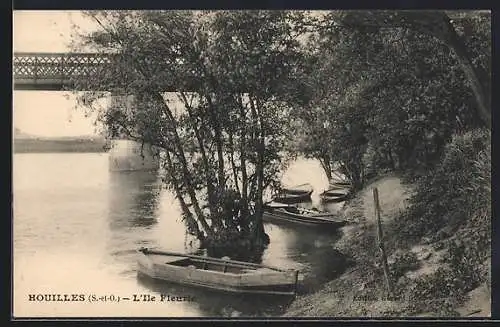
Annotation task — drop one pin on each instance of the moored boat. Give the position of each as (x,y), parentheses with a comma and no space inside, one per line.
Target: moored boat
(298,189)
(219,274)
(292,214)
(335,195)
(292,198)
(295,194)
(338,183)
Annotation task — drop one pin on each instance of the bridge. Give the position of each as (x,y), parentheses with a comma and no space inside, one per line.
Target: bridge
(54,71)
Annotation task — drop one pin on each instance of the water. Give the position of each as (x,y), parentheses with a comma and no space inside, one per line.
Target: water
(77,226)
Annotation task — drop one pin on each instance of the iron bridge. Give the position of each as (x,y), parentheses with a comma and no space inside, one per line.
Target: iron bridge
(54,71)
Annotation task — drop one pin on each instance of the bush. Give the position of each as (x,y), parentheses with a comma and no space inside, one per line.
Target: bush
(452,206)
(456,190)
(444,283)
(403,263)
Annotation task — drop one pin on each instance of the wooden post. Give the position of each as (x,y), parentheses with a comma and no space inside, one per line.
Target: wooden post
(296,280)
(380,235)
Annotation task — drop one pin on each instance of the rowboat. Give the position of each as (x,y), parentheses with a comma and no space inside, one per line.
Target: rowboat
(337,183)
(218,274)
(335,195)
(292,214)
(298,189)
(340,185)
(292,198)
(295,194)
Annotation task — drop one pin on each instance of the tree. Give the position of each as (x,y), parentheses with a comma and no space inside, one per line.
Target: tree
(221,126)
(433,23)
(399,88)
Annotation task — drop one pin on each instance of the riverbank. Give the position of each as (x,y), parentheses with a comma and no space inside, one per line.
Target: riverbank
(415,267)
(35,145)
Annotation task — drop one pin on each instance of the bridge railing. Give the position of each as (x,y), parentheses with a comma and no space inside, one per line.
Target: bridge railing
(57,66)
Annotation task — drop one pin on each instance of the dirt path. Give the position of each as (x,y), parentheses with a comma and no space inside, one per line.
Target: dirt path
(393,197)
(479,303)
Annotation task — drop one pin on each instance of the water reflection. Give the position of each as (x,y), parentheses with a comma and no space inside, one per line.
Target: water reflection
(77,227)
(310,250)
(134,199)
(142,214)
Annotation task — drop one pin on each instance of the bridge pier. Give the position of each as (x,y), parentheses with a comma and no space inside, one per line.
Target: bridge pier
(129,155)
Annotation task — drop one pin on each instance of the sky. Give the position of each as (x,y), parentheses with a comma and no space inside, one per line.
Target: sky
(45,113)
(39,112)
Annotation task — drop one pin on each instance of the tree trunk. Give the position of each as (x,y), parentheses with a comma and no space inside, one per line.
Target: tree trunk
(436,24)
(327,168)
(184,207)
(256,110)
(184,165)
(214,121)
(243,165)
(218,141)
(208,172)
(201,146)
(391,159)
(233,165)
(482,95)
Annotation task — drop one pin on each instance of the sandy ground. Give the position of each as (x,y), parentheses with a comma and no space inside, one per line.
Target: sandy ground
(479,303)
(393,197)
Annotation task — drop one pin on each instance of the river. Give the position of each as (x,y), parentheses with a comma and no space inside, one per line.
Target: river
(76,227)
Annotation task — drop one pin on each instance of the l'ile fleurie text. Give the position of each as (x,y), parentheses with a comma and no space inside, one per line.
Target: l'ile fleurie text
(108,298)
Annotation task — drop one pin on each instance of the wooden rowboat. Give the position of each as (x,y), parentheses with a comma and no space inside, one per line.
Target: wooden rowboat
(340,182)
(336,186)
(335,195)
(219,274)
(298,189)
(292,198)
(292,214)
(295,194)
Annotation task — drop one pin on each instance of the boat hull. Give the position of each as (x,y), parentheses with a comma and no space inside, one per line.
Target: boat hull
(315,221)
(298,189)
(293,198)
(270,282)
(333,198)
(335,194)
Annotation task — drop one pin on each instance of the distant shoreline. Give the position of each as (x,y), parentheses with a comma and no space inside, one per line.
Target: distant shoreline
(59,145)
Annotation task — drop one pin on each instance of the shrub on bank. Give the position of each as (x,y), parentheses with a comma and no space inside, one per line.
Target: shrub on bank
(404,262)
(453,192)
(452,207)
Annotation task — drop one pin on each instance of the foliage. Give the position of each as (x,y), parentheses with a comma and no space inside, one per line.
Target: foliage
(210,89)
(403,263)
(438,25)
(455,183)
(401,93)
